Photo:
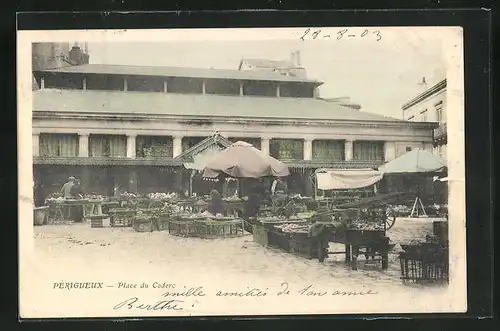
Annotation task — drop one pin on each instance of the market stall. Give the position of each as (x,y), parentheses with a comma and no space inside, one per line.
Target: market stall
(416,169)
(244,162)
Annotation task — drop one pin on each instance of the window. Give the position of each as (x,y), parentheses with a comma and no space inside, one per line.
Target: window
(54,145)
(408,148)
(369,150)
(439,112)
(154,146)
(423,115)
(108,146)
(331,150)
(287,149)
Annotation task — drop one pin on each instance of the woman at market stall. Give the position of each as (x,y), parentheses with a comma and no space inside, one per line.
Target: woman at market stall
(215,205)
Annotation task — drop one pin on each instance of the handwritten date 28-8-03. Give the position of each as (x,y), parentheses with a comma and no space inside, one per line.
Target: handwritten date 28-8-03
(310,34)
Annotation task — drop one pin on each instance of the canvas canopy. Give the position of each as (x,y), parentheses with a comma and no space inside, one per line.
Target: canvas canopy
(416,161)
(242,160)
(201,159)
(335,179)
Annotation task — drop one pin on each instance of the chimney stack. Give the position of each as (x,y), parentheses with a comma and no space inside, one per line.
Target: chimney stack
(295,57)
(77,56)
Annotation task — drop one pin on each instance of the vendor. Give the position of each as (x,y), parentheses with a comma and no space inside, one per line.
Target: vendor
(278,186)
(76,212)
(66,189)
(76,190)
(253,203)
(215,205)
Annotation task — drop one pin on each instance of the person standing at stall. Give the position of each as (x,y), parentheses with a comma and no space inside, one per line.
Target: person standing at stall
(215,205)
(66,189)
(77,192)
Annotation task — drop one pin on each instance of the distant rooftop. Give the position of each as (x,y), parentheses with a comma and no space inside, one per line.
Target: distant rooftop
(264,63)
(196,105)
(182,72)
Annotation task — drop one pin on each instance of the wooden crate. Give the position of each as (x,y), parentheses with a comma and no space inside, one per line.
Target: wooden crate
(40,215)
(219,229)
(141,225)
(305,246)
(122,217)
(279,240)
(260,235)
(96,221)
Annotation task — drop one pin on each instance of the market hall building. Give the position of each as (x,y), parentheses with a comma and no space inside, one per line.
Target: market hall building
(141,129)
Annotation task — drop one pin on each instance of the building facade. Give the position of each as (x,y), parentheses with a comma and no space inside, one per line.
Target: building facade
(136,126)
(430,106)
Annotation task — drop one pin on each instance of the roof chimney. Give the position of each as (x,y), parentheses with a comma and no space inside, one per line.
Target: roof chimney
(295,58)
(77,56)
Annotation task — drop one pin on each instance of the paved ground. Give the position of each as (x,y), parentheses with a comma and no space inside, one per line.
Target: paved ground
(64,252)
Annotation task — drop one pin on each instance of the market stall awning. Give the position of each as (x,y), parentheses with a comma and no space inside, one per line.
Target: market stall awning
(201,159)
(416,161)
(242,160)
(335,179)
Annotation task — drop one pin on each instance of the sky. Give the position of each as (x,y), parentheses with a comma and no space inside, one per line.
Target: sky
(380,76)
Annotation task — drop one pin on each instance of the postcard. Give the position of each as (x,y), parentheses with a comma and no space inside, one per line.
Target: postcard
(233,172)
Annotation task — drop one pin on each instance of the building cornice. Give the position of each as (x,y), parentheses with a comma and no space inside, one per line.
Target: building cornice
(424,95)
(269,121)
(173,162)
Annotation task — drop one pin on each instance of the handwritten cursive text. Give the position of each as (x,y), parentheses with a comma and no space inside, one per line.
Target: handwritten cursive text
(133,303)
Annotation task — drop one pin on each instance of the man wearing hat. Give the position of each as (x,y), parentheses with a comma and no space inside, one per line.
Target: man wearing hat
(66,189)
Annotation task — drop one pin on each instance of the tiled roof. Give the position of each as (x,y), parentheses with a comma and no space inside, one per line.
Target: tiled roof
(181,72)
(195,105)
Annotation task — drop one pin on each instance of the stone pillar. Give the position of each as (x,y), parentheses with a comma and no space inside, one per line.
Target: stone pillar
(85,83)
(349,150)
(165,87)
(308,149)
(125,84)
(83,145)
(278,93)
(203,88)
(132,184)
(36,144)
(241,89)
(131,146)
(177,146)
(264,145)
(308,185)
(389,150)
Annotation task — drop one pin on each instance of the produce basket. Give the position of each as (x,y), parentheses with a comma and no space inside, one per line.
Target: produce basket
(40,215)
(219,228)
(416,268)
(143,224)
(122,217)
(182,227)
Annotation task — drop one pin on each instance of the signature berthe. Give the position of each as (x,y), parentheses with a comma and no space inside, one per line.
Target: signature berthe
(134,303)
